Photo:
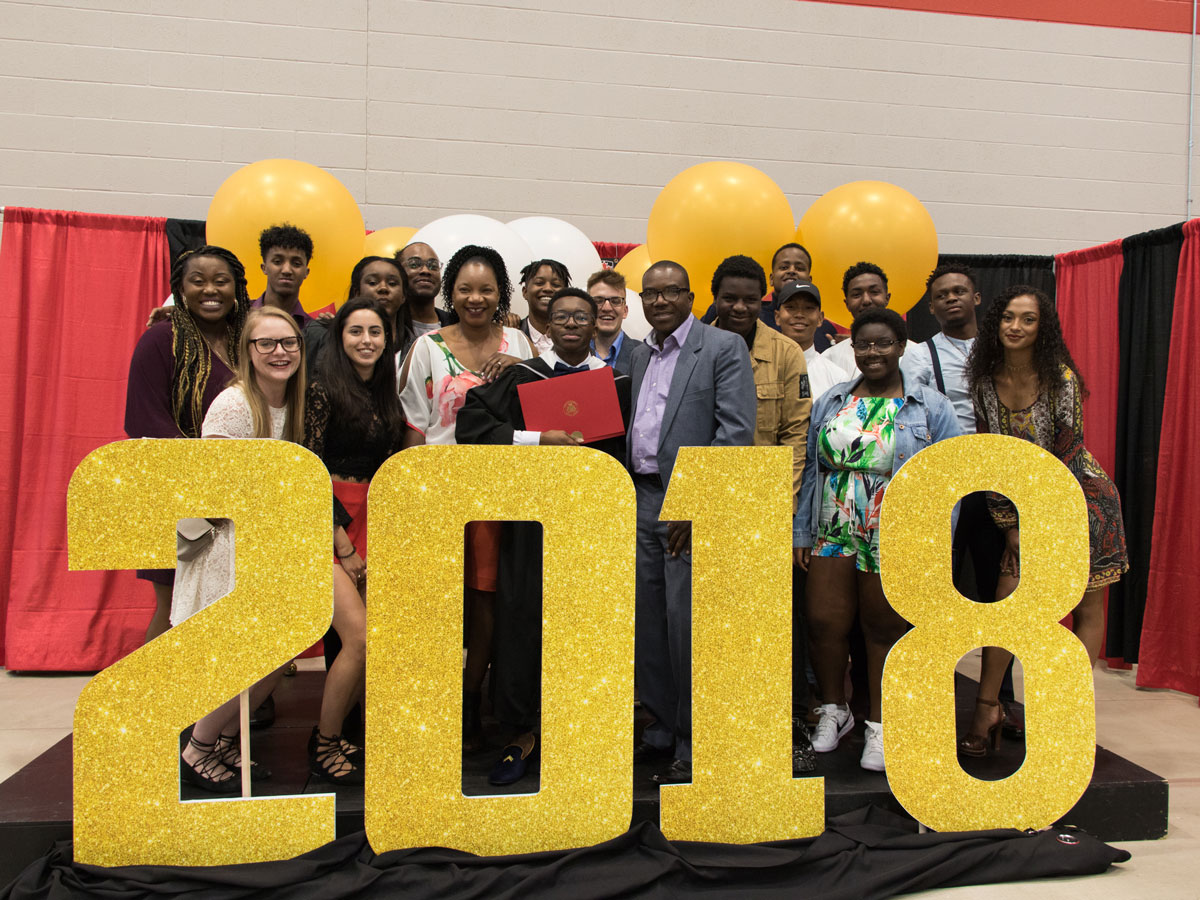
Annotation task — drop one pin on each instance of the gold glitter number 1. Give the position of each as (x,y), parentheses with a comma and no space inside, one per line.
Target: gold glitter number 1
(918,680)
(739,500)
(417,510)
(123,503)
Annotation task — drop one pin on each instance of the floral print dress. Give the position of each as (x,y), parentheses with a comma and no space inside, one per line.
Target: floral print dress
(857,446)
(438,382)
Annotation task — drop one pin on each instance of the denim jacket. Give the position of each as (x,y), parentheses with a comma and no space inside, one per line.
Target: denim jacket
(925,418)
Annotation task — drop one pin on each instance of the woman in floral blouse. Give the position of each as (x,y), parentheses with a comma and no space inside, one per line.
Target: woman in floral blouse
(471,349)
(861,433)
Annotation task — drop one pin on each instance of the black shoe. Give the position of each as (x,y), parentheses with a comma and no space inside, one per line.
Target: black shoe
(208,772)
(678,772)
(644,753)
(264,716)
(804,757)
(229,749)
(512,766)
(327,760)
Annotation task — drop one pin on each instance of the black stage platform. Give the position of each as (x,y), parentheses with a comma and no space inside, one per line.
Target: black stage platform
(1123,803)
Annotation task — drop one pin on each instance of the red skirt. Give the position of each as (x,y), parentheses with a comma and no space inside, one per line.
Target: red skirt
(354,497)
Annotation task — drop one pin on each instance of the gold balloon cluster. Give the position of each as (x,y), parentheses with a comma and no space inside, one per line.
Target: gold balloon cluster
(717,209)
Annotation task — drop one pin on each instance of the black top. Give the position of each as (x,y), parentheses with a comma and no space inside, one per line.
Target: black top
(341,444)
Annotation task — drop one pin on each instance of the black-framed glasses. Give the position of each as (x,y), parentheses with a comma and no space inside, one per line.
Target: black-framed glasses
(268,345)
(614,302)
(867,346)
(413,264)
(579,317)
(670,294)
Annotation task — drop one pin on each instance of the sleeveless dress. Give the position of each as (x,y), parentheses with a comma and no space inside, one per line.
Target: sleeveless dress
(1055,423)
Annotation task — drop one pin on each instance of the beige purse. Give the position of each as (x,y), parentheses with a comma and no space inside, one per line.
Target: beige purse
(193,537)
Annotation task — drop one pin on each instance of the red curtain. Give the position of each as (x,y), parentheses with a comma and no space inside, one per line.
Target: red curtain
(1087,286)
(1170,646)
(75,290)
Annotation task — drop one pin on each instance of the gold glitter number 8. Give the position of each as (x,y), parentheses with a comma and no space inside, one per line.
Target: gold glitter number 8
(918,680)
(739,500)
(417,510)
(123,504)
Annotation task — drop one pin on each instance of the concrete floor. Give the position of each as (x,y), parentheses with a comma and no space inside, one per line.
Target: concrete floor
(1159,730)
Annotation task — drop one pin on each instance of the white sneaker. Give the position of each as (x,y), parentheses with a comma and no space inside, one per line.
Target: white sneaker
(834,724)
(872,756)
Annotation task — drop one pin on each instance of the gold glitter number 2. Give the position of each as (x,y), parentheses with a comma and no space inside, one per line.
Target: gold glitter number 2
(918,680)
(739,500)
(123,504)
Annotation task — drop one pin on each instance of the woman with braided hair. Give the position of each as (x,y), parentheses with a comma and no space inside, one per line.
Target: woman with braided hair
(1024,383)
(182,363)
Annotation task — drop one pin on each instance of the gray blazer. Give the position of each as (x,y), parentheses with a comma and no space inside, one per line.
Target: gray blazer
(712,401)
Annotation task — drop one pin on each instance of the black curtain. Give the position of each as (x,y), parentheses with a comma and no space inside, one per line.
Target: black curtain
(1146,302)
(184,234)
(995,272)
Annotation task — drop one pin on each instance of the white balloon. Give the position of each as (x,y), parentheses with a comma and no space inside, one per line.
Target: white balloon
(449,234)
(551,238)
(635,324)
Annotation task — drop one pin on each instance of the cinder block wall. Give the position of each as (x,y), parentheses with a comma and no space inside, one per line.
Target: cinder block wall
(1018,136)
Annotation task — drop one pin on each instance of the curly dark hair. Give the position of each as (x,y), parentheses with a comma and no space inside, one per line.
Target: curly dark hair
(286,236)
(402,327)
(555,266)
(491,259)
(352,399)
(739,267)
(193,359)
(879,315)
(1050,351)
(862,268)
(792,245)
(952,269)
(572,292)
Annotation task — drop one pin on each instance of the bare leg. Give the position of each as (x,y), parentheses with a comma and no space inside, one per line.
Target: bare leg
(224,719)
(479,638)
(832,602)
(1088,622)
(344,679)
(160,622)
(991,674)
(882,626)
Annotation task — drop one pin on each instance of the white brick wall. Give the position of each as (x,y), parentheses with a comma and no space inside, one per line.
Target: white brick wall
(1018,136)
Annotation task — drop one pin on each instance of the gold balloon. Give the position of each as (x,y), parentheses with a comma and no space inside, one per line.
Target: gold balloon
(714,210)
(388,241)
(633,266)
(918,678)
(273,191)
(123,504)
(876,222)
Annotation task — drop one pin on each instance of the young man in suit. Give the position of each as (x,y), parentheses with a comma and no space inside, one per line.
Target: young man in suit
(692,387)
(611,344)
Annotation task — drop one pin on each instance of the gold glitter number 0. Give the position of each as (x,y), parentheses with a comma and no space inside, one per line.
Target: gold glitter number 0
(918,680)
(417,510)
(123,503)
(739,500)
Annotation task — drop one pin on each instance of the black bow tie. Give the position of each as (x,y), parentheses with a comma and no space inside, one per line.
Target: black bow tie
(561,368)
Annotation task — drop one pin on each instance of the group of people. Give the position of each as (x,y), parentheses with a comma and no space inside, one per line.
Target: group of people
(393,369)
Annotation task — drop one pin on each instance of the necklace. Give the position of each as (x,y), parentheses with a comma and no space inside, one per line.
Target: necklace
(1019,370)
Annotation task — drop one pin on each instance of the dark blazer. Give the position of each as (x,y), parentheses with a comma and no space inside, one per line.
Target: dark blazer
(712,401)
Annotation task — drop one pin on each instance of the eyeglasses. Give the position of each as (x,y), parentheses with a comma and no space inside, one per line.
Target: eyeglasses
(861,347)
(268,345)
(670,294)
(614,302)
(579,317)
(413,264)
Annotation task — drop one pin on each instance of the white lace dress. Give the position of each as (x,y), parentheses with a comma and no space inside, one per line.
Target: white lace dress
(208,577)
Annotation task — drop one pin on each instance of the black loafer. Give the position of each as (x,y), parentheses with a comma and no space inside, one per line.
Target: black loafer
(264,715)
(678,772)
(644,753)
(512,766)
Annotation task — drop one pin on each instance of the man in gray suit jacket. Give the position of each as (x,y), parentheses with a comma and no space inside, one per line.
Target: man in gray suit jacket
(693,386)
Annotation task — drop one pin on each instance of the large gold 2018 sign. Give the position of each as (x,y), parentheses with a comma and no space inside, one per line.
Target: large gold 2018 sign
(125,499)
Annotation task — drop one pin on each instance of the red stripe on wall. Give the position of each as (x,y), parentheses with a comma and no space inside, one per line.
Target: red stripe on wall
(1150,15)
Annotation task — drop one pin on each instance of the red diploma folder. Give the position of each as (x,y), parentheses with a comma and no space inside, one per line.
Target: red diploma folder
(584,404)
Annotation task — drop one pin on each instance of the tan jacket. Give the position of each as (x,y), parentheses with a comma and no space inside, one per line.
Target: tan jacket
(784,398)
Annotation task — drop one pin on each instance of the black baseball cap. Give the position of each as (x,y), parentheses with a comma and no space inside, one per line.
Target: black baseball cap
(795,288)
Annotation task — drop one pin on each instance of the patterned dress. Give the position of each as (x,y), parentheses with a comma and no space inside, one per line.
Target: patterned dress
(858,445)
(1055,423)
